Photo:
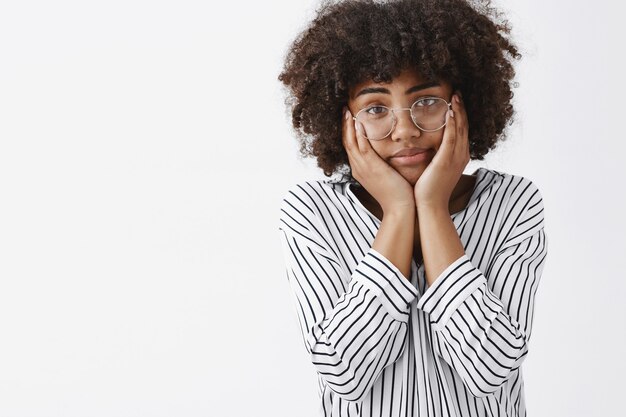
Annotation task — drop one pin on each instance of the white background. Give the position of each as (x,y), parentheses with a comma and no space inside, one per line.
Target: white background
(144,151)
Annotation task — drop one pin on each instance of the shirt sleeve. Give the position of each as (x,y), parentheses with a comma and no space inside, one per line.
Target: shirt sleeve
(482,330)
(353,325)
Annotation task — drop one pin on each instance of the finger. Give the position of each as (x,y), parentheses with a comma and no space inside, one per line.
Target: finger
(350,137)
(362,142)
(449,137)
(348,144)
(345,121)
(461,119)
(462,141)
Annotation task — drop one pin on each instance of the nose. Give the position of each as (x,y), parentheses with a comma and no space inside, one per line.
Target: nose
(405,128)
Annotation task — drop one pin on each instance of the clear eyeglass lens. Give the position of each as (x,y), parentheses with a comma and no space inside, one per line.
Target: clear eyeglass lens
(430,113)
(376,122)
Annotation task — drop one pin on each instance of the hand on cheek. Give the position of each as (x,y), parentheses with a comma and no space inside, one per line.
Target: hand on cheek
(380,180)
(440,177)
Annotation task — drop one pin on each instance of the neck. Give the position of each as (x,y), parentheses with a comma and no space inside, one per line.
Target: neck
(457,199)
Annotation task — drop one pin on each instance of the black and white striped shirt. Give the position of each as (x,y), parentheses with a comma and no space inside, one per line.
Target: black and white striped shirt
(386,346)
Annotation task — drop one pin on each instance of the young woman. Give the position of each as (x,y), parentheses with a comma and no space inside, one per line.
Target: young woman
(414,284)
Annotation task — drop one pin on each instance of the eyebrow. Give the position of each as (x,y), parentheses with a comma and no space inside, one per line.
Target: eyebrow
(371,90)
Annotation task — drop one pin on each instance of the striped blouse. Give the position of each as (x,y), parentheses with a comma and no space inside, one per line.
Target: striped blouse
(384,345)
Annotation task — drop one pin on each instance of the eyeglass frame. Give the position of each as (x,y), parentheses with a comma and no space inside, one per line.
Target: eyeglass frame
(395,119)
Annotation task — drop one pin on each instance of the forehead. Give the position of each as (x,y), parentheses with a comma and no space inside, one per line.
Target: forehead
(407,82)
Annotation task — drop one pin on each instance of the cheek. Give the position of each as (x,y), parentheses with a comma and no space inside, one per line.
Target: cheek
(379,148)
(439,138)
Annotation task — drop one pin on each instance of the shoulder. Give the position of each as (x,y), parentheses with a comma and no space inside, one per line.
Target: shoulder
(306,196)
(515,189)
(521,191)
(305,203)
(521,201)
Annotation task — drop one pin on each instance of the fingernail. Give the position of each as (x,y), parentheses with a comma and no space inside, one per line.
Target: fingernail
(451,112)
(347,114)
(456,98)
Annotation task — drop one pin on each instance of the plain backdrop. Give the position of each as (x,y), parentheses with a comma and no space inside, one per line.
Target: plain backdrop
(144,151)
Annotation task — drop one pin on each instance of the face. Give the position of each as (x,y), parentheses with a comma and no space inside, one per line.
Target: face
(402,92)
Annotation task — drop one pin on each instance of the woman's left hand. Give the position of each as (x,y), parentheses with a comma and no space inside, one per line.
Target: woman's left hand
(435,185)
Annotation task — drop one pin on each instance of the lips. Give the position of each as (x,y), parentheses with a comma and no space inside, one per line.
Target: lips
(408,152)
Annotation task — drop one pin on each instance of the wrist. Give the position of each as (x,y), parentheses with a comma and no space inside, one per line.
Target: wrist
(400,213)
(400,209)
(431,207)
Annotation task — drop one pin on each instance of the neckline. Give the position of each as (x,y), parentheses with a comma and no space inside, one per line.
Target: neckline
(479,172)
(473,196)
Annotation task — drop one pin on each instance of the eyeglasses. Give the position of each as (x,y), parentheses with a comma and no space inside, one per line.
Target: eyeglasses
(377,122)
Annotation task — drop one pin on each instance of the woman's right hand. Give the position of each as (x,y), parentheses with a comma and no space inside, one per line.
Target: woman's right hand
(390,189)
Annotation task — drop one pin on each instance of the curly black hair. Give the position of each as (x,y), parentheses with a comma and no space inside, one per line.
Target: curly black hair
(351,41)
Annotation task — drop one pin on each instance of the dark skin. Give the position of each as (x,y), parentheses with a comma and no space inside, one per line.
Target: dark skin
(409,193)
(459,201)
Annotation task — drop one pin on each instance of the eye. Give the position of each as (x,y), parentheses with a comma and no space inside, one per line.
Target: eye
(376,110)
(426,101)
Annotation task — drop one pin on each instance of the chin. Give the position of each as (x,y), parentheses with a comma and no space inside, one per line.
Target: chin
(411,174)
